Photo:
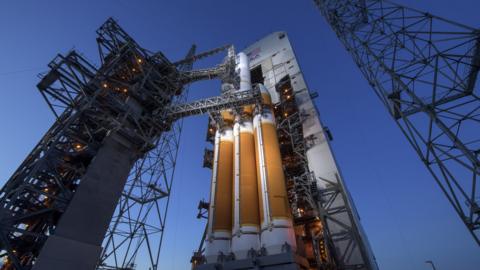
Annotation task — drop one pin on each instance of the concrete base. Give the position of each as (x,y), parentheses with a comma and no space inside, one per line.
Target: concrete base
(283,261)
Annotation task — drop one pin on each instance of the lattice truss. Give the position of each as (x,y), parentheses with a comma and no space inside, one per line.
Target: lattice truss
(88,103)
(424,69)
(302,190)
(135,94)
(137,227)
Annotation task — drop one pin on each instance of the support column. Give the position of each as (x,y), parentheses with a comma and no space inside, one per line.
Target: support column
(76,244)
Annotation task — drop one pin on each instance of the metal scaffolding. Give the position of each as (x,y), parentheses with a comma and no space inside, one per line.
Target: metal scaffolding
(424,69)
(301,186)
(326,215)
(138,225)
(117,116)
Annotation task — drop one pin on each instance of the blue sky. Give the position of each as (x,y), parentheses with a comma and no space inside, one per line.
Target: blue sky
(404,214)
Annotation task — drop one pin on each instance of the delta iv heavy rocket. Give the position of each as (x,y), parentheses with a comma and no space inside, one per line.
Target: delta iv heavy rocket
(249,205)
(277,198)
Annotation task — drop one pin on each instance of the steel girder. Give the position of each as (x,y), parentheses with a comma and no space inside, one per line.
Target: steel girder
(215,104)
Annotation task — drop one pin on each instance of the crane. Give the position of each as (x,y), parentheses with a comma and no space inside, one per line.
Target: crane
(424,69)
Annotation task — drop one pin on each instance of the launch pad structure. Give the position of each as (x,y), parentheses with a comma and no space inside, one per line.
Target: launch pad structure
(94,192)
(61,203)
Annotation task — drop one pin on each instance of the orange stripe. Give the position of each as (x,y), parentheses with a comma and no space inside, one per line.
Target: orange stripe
(248,181)
(277,191)
(223,195)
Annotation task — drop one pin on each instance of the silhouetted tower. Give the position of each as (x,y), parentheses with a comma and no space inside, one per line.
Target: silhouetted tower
(424,69)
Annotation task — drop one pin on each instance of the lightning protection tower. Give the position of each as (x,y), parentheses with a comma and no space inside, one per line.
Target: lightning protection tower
(424,70)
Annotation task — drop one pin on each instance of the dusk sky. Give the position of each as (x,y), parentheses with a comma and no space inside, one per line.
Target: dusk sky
(405,216)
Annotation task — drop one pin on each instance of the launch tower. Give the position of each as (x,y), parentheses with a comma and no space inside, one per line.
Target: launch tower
(95,189)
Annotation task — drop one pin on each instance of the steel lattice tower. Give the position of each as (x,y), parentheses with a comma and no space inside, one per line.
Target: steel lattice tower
(424,69)
(138,224)
(103,172)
